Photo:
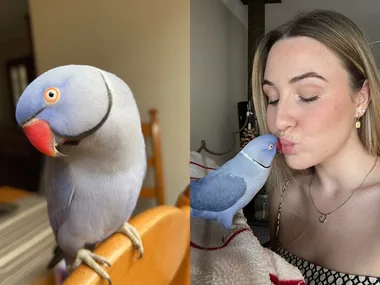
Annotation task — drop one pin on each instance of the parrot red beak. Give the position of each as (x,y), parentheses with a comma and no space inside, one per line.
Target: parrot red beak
(41,137)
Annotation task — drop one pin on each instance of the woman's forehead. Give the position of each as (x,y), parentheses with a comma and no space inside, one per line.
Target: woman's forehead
(291,57)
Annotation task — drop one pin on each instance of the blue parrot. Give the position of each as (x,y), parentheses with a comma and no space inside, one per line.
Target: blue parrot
(220,194)
(86,121)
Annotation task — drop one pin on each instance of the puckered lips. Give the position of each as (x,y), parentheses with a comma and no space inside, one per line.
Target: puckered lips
(285,146)
(42,137)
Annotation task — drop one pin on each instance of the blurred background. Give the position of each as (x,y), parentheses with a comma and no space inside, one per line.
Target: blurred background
(146,43)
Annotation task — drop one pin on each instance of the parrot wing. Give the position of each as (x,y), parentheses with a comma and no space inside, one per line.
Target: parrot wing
(59,192)
(216,192)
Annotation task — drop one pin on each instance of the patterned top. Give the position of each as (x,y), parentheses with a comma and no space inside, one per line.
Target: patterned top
(314,274)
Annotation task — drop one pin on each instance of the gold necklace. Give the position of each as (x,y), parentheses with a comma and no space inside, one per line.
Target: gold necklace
(323,216)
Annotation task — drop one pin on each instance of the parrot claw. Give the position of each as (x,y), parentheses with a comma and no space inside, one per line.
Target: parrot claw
(91,259)
(134,236)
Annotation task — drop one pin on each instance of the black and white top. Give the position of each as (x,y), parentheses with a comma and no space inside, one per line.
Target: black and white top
(314,274)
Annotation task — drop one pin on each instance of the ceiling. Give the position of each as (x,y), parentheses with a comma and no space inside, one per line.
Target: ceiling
(238,9)
(364,13)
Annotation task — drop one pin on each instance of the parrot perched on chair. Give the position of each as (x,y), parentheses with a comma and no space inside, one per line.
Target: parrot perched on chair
(87,123)
(220,194)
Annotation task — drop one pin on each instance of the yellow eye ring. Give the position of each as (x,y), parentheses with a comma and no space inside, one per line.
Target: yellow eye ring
(51,95)
(270,146)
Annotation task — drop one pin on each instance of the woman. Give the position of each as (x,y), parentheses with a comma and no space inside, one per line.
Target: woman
(316,87)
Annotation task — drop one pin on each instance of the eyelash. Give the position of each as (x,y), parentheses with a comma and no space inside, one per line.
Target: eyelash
(305,100)
(312,99)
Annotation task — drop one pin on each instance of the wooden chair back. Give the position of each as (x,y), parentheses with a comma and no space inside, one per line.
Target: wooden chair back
(151,130)
(183,274)
(165,233)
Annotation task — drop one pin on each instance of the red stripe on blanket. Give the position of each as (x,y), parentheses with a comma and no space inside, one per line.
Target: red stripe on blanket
(194,245)
(205,167)
(277,281)
(196,178)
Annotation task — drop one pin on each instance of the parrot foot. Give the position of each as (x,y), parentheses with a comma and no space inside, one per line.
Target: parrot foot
(91,259)
(134,236)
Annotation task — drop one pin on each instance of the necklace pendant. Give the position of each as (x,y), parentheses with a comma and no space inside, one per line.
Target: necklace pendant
(323,218)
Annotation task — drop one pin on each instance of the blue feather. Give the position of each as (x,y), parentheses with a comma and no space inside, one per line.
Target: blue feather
(216,192)
(59,192)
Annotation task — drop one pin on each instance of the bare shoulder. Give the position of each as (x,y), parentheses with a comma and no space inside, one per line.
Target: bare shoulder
(371,188)
(364,207)
(300,180)
(290,189)
(373,180)
(289,197)
(369,194)
(296,187)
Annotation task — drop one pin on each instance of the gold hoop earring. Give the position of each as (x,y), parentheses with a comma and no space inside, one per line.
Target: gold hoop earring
(358,124)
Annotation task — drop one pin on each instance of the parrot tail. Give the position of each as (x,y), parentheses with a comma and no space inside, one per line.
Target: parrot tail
(58,256)
(226,217)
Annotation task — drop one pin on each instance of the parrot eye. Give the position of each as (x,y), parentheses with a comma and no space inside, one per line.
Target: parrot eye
(270,146)
(51,95)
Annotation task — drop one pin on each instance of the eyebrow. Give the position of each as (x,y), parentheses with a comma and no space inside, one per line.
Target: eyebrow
(299,78)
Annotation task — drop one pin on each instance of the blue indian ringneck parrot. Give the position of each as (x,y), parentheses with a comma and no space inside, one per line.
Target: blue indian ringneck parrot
(229,188)
(87,123)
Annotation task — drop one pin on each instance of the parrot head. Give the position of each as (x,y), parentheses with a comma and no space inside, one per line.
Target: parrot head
(262,149)
(63,106)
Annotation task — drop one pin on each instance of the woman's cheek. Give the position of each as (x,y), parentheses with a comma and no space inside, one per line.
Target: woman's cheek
(271,115)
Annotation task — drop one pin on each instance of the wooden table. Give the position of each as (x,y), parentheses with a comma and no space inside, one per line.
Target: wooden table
(9,195)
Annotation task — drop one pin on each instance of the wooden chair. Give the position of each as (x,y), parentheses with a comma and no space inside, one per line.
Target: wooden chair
(165,232)
(184,198)
(167,253)
(183,274)
(152,130)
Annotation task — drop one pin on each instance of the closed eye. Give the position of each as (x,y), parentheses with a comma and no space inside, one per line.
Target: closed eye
(308,100)
(270,92)
(274,102)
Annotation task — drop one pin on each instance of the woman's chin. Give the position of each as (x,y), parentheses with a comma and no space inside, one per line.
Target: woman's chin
(297,162)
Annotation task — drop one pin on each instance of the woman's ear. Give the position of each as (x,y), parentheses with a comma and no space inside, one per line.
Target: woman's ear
(363,98)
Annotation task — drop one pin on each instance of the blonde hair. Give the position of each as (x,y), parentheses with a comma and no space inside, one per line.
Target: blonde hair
(344,38)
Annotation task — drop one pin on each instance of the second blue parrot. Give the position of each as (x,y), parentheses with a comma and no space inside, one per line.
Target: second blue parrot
(220,194)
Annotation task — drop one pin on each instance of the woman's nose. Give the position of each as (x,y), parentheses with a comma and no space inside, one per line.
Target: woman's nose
(285,118)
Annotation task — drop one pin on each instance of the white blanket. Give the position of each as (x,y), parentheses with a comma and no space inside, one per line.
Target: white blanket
(222,257)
